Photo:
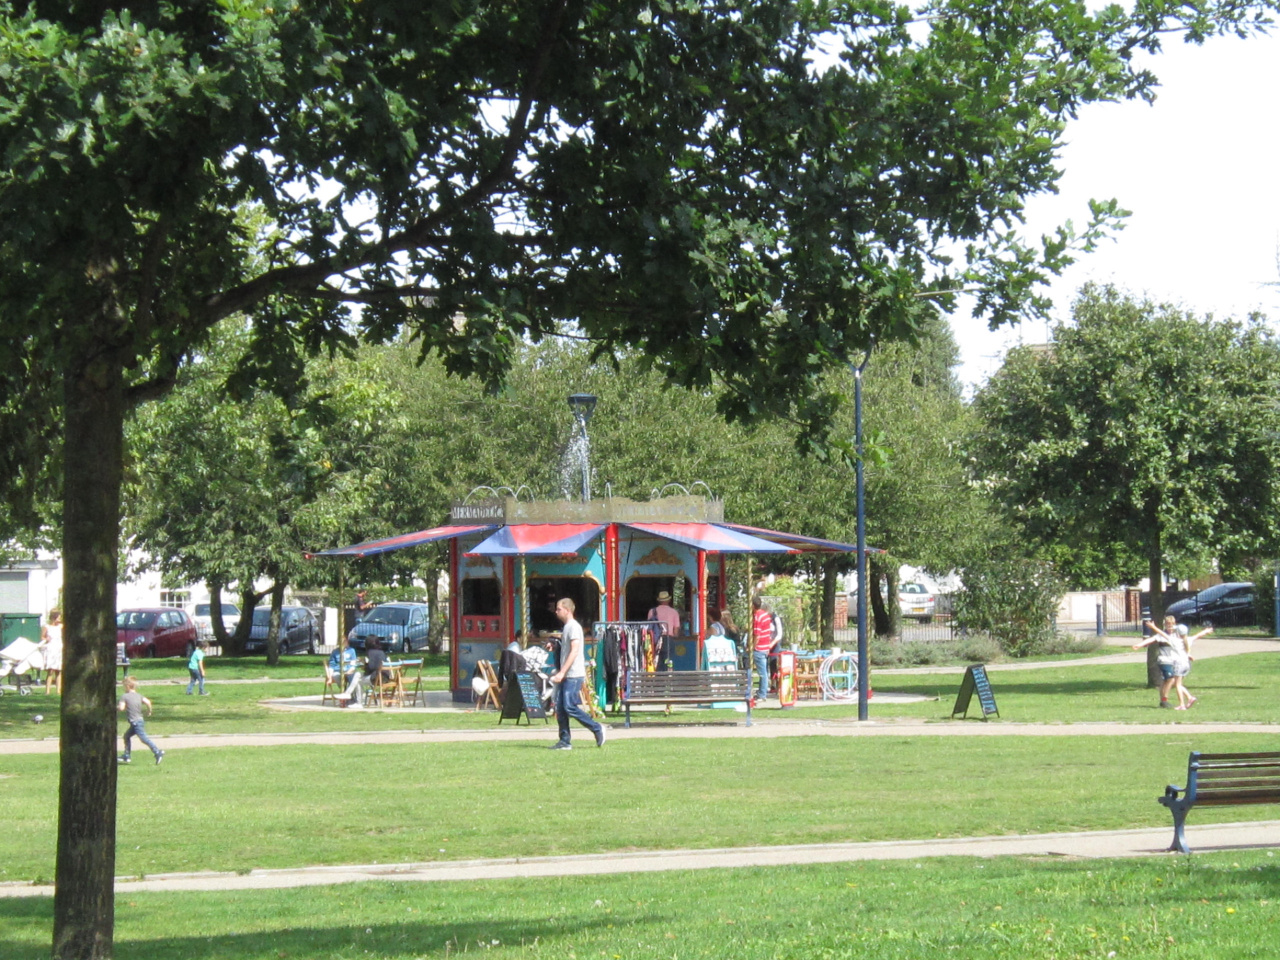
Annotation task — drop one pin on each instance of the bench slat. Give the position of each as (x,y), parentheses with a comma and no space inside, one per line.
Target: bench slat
(1231,797)
(1218,757)
(1240,773)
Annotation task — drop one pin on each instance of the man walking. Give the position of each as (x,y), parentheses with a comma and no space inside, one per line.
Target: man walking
(569,679)
(762,633)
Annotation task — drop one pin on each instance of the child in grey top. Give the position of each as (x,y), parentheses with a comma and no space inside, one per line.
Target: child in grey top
(131,705)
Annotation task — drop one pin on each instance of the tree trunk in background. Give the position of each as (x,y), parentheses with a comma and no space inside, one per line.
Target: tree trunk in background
(882,625)
(1155,576)
(273,630)
(84,901)
(440,611)
(830,581)
(893,608)
(216,626)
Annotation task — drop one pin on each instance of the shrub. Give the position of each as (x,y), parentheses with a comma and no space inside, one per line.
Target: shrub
(978,648)
(1070,643)
(1013,599)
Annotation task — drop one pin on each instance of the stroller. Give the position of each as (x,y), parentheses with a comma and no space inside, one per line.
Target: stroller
(17,662)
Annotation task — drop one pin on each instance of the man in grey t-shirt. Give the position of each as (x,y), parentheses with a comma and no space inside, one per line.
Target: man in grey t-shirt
(569,679)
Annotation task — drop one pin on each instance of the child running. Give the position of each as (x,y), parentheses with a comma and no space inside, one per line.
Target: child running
(131,705)
(195,667)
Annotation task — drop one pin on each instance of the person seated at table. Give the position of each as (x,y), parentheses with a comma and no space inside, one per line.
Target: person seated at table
(374,658)
(510,662)
(346,656)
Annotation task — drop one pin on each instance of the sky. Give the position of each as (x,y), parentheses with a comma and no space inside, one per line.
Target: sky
(1200,171)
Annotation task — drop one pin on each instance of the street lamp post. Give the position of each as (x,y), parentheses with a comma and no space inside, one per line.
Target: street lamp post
(863,684)
(583,405)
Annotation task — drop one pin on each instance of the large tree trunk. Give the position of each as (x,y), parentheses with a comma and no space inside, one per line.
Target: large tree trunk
(84,901)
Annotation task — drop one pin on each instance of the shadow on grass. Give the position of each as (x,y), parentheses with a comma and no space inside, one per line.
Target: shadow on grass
(32,920)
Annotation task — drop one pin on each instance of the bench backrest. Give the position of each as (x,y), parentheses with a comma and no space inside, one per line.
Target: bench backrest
(719,684)
(1234,778)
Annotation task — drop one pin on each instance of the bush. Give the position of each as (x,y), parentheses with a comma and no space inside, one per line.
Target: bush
(1070,643)
(1012,599)
(978,648)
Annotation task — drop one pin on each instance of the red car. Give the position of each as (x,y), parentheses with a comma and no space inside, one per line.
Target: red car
(155,632)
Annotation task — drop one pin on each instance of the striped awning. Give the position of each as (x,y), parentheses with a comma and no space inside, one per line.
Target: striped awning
(537,539)
(711,537)
(372,547)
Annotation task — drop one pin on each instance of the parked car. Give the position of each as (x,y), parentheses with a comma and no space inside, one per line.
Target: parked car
(202,614)
(401,627)
(1222,605)
(916,602)
(155,632)
(299,631)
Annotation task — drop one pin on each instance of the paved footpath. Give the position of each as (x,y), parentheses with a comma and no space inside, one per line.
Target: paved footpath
(1101,844)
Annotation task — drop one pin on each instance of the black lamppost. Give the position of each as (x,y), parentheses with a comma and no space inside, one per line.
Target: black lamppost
(583,405)
(863,685)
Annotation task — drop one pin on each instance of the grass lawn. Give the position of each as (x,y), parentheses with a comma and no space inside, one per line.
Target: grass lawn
(230,808)
(236,809)
(1220,906)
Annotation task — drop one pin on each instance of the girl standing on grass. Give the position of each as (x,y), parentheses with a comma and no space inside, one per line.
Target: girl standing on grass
(1182,665)
(51,643)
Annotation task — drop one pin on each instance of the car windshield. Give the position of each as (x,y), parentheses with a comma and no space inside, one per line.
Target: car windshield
(912,588)
(135,619)
(1214,592)
(262,616)
(228,609)
(395,615)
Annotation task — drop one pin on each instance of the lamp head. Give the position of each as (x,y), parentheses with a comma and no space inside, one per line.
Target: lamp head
(582,405)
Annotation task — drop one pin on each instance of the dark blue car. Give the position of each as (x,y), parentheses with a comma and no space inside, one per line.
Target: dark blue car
(399,627)
(1222,605)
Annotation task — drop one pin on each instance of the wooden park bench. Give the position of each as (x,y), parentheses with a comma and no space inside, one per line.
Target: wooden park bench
(1222,779)
(687,686)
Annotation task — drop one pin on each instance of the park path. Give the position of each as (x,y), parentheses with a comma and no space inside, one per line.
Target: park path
(762,729)
(1098,844)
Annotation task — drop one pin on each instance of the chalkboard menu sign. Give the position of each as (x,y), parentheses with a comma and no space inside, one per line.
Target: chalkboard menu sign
(975,680)
(522,699)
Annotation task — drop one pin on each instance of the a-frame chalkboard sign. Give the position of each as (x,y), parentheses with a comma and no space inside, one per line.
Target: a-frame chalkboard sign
(975,680)
(521,699)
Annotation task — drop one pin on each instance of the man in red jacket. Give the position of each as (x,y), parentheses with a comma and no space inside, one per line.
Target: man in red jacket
(762,631)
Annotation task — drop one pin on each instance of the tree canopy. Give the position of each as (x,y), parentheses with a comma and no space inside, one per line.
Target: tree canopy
(678,177)
(1142,438)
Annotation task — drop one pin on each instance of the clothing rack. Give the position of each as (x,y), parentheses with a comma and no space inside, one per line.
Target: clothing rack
(626,646)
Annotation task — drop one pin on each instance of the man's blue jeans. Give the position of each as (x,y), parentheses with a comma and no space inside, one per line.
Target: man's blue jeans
(569,704)
(761,660)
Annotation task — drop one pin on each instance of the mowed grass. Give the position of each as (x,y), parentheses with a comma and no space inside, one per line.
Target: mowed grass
(1220,906)
(237,809)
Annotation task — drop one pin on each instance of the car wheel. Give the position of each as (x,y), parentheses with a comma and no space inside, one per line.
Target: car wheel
(311,646)
(1208,623)
(191,648)
(151,651)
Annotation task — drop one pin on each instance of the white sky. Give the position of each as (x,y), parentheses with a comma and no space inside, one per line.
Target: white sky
(1200,171)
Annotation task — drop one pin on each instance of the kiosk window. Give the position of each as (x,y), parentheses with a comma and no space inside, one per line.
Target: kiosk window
(481,598)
